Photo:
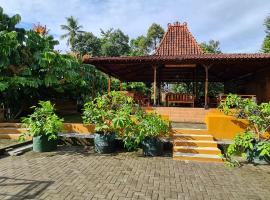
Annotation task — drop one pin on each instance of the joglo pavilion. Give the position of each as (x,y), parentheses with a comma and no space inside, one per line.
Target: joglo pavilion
(178,59)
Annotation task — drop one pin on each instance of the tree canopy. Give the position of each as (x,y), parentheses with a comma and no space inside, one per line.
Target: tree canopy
(266,41)
(114,43)
(154,35)
(211,47)
(87,43)
(31,70)
(73,29)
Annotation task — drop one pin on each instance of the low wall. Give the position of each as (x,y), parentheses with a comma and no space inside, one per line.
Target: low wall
(181,114)
(224,127)
(79,128)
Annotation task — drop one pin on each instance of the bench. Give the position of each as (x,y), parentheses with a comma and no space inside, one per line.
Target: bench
(180,98)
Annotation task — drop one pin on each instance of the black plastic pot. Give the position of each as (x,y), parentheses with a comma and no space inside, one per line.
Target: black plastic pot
(43,144)
(104,143)
(254,157)
(152,147)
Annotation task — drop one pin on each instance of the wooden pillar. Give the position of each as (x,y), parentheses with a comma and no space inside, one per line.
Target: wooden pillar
(159,92)
(155,85)
(196,85)
(109,84)
(206,67)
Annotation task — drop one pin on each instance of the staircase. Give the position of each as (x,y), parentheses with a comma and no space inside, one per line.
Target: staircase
(195,145)
(11,130)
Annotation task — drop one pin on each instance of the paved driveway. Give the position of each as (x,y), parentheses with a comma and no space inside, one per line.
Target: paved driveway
(76,173)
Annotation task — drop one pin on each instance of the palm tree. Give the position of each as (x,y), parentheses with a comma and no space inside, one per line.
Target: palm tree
(73,28)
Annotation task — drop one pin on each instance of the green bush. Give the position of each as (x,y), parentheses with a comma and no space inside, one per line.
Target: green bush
(108,112)
(43,121)
(253,140)
(117,113)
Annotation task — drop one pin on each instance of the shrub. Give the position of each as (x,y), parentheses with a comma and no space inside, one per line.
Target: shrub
(253,140)
(43,121)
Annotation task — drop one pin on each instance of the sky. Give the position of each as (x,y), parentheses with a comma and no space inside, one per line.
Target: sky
(237,24)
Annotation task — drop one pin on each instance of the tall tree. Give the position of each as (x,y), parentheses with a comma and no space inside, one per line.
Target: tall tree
(114,43)
(73,29)
(211,47)
(139,46)
(266,41)
(154,35)
(87,43)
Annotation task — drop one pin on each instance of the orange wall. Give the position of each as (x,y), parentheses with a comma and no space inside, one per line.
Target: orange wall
(224,127)
(78,128)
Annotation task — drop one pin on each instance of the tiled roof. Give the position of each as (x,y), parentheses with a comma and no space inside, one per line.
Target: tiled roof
(178,41)
(191,57)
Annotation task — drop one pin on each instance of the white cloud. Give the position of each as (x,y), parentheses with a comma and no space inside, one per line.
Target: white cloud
(238,25)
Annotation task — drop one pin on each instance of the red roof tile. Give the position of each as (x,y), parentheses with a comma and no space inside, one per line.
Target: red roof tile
(178,41)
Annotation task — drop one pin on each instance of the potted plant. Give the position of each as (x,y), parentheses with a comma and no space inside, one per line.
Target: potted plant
(43,125)
(254,143)
(151,128)
(107,112)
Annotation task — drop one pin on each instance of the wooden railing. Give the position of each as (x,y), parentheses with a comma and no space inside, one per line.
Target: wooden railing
(180,98)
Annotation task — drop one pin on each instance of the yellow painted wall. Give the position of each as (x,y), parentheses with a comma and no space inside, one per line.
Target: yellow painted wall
(78,128)
(224,127)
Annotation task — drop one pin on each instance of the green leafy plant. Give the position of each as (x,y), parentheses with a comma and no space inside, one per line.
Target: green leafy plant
(43,121)
(253,141)
(152,125)
(109,112)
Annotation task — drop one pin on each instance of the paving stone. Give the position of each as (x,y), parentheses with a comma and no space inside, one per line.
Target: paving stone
(78,173)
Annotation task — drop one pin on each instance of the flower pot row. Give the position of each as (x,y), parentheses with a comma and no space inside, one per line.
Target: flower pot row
(105,143)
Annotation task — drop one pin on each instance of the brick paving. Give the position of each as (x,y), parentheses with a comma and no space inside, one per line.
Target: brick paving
(78,173)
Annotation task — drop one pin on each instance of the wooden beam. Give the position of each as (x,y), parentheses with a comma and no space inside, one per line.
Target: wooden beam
(206,68)
(155,85)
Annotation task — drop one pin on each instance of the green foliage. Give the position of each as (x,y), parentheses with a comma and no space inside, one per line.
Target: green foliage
(139,46)
(117,113)
(211,47)
(114,43)
(258,117)
(266,41)
(242,143)
(30,70)
(43,121)
(152,125)
(87,43)
(154,35)
(266,44)
(73,29)
(108,112)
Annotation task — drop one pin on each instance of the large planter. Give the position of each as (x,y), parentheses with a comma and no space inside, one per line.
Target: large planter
(152,147)
(43,144)
(253,157)
(104,143)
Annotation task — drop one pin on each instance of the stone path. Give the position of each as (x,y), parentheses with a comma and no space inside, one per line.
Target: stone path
(78,173)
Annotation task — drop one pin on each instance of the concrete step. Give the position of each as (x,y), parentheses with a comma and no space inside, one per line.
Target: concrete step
(12,130)
(190,131)
(198,150)
(196,157)
(10,124)
(193,137)
(198,143)
(9,136)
